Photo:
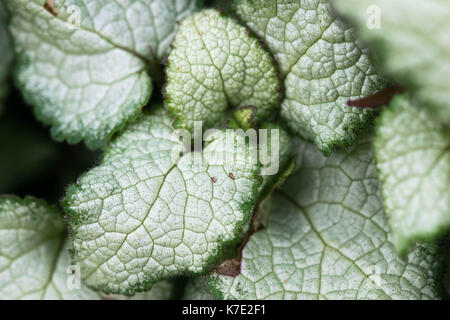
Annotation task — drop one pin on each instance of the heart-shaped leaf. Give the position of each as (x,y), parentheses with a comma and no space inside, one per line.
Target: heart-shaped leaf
(322,66)
(216,66)
(145,214)
(84,64)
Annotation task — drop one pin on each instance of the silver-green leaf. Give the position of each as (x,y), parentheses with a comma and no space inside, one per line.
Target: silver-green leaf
(35,261)
(326,237)
(145,214)
(411,39)
(84,64)
(413,161)
(216,66)
(162,290)
(322,65)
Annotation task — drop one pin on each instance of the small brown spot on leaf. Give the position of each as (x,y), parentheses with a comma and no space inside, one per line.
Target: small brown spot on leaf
(231,175)
(49,5)
(214,180)
(230,268)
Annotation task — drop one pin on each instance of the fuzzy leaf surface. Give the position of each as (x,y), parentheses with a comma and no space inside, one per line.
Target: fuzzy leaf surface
(413,161)
(326,237)
(412,41)
(216,66)
(145,215)
(83,64)
(322,66)
(34,252)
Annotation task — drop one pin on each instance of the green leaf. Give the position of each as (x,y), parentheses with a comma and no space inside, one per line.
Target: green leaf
(145,215)
(34,252)
(216,66)
(83,64)
(413,160)
(411,40)
(162,290)
(322,66)
(326,237)
(5,61)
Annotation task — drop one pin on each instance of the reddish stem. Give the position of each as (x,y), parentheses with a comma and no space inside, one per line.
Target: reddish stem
(376,100)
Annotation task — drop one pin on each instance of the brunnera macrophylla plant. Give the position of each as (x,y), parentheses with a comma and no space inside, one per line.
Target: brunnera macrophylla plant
(274,149)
